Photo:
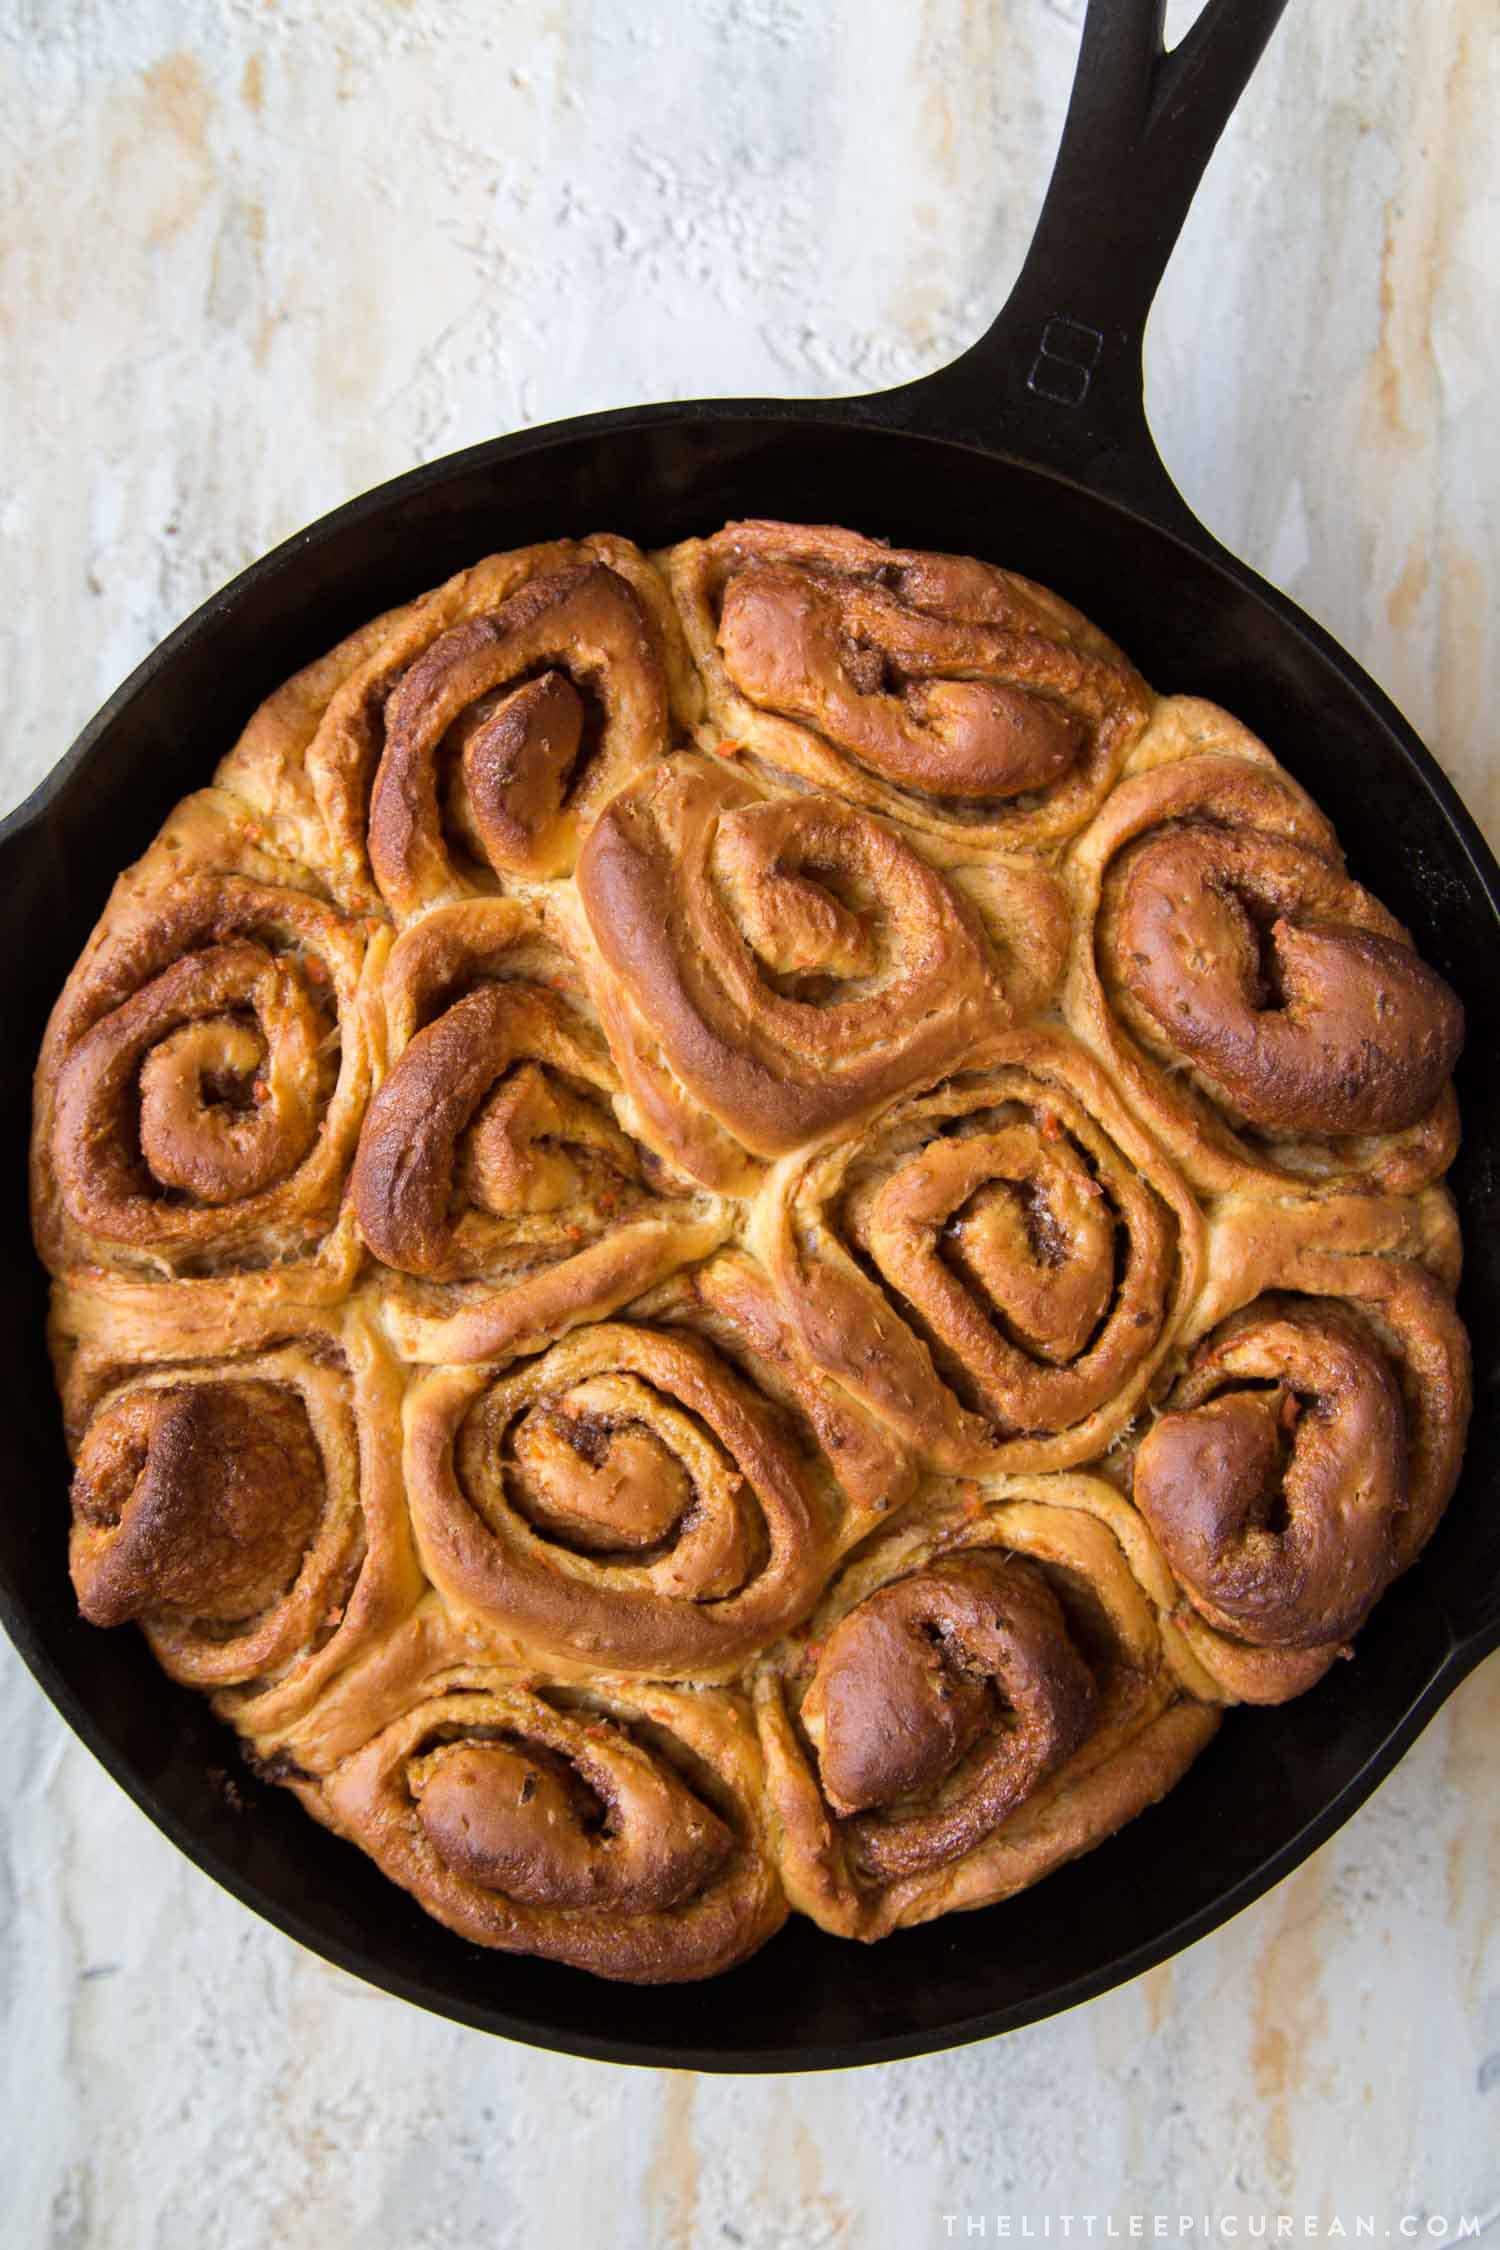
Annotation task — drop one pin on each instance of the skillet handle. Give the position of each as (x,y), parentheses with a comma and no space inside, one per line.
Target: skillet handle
(1058,379)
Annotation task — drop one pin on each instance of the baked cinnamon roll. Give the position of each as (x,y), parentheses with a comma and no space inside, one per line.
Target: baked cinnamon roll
(493,1181)
(245,1512)
(472,736)
(205,1070)
(1302,1457)
(963,701)
(983,1695)
(619,1828)
(1266,1014)
(995,1267)
(771,969)
(640,1497)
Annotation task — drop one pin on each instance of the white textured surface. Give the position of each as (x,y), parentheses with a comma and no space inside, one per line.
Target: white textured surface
(261,253)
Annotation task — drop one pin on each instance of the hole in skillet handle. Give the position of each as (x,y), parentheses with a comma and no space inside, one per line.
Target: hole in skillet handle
(1057,380)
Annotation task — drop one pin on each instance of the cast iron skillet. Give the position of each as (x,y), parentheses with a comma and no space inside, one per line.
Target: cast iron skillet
(1033,450)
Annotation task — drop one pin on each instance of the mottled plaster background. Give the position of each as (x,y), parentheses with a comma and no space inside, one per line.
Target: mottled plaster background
(259,254)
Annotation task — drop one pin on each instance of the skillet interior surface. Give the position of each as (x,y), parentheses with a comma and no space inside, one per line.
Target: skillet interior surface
(1275,1783)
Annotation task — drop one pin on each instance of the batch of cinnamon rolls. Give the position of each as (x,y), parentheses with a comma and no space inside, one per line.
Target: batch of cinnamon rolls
(736,1232)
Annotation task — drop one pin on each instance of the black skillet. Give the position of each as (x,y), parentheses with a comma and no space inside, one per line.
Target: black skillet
(1032,449)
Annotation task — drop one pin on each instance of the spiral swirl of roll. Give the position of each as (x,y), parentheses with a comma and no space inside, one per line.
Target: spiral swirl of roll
(1265,1011)
(995,1267)
(773,969)
(911,1682)
(203,1074)
(1307,1449)
(245,1513)
(1275,1480)
(619,1830)
(959,699)
(470,737)
(544,707)
(983,1696)
(491,1155)
(625,1500)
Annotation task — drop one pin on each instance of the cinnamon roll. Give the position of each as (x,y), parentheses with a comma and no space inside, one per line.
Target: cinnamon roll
(639,1497)
(1304,1453)
(1265,1013)
(492,1180)
(995,1267)
(963,701)
(245,1512)
(204,1073)
(772,969)
(619,1828)
(983,1695)
(473,735)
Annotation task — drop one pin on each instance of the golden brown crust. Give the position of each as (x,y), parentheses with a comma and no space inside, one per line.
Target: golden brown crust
(194,1500)
(908,1685)
(247,1511)
(603,1181)
(619,1829)
(1276,1475)
(1344,1371)
(1030,1707)
(786,965)
(995,1267)
(493,1180)
(971,705)
(637,1499)
(204,1073)
(349,741)
(1265,1015)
